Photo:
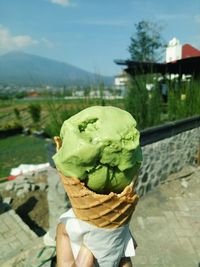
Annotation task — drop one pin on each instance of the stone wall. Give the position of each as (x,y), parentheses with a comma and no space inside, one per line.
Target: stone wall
(167,156)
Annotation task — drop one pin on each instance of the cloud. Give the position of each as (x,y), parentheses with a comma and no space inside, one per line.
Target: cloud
(47,43)
(63,3)
(9,42)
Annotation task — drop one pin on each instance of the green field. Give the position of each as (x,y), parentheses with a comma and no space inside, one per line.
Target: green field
(53,112)
(21,149)
(146,107)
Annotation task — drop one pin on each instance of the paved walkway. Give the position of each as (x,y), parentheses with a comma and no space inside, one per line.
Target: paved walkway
(166,223)
(15,236)
(19,245)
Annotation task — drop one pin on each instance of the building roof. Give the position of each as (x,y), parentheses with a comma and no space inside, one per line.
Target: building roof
(189,51)
(188,65)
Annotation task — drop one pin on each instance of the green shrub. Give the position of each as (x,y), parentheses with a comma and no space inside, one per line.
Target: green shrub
(136,99)
(184,100)
(56,116)
(17,113)
(35,112)
(148,108)
(192,100)
(154,107)
(143,105)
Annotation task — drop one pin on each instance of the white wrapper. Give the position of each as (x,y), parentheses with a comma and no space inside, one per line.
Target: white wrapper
(107,245)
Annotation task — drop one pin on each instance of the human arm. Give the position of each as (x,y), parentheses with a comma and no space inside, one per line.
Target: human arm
(65,257)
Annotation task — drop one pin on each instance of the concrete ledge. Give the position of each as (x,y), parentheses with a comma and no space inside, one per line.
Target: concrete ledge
(154,134)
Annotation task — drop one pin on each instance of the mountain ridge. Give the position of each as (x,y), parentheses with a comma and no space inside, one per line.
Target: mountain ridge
(21,68)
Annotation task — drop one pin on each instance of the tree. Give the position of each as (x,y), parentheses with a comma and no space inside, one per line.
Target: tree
(147,43)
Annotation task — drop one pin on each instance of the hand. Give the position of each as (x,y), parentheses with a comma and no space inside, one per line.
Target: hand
(65,257)
(85,258)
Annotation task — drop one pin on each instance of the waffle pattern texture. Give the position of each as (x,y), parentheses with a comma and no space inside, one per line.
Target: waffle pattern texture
(105,211)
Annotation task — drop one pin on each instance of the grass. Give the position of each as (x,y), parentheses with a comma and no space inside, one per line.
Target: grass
(21,149)
(58,106)
(149,109)
(146,107)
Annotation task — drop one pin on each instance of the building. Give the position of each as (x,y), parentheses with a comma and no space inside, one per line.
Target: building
(175,51)
(120,82)
(180,59)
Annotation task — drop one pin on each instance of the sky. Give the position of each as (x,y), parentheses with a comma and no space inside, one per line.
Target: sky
(91,34)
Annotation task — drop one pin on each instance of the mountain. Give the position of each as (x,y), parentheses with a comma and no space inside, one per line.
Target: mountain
(25,69)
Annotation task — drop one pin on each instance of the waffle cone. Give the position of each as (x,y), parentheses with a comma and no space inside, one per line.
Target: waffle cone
(106,211)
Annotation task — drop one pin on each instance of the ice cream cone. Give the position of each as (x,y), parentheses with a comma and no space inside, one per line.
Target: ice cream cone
(106,211)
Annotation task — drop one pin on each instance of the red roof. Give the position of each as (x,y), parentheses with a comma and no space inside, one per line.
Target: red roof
(189,51)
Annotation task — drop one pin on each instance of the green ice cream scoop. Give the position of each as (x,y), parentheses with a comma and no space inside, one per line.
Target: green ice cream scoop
(100,146)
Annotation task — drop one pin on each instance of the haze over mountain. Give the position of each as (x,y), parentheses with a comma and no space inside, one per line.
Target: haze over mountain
(25,69)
